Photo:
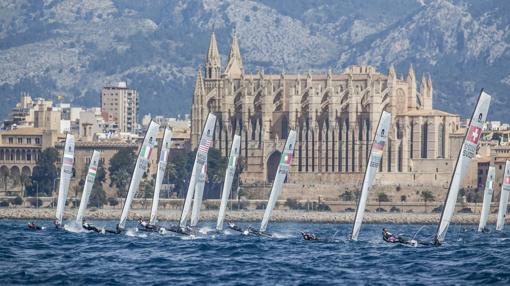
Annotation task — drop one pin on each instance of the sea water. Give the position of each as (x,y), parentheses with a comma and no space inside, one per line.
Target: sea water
(58,257)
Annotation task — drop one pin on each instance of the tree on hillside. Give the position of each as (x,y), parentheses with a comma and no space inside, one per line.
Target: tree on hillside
(121,167)
(44,173)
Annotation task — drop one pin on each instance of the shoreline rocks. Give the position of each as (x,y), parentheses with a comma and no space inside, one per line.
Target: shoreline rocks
(249,216)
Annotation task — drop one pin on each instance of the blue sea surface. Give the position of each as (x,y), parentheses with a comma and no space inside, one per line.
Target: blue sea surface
(58,257)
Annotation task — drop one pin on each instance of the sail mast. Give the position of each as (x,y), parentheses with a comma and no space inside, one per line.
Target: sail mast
(87,187)
(163,159)
(487,198)
(200,159)
(503,199)
(229,177)
(149,142)
(281,173)
(376,153)
(466,153)
(66,172)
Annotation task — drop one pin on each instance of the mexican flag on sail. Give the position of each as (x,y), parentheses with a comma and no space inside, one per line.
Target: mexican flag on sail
(286,158)
(146,151)
(92,171)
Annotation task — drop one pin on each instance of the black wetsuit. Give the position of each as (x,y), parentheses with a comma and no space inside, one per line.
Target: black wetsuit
(88,226)
(309,236)
(256,232)
(235,227)
(34,226)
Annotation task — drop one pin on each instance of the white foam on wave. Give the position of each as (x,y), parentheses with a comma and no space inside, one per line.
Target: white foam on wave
(133,232)
(74,227)
(280,235)
(205,230)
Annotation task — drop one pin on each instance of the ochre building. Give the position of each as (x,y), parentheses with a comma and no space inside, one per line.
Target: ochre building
(335,115)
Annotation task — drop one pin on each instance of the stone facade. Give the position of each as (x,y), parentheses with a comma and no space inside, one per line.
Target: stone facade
(335,116)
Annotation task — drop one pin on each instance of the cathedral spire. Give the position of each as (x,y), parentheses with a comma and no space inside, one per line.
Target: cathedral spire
(235,62)
(213,60)
(410,73)
(392,74)
(199,85)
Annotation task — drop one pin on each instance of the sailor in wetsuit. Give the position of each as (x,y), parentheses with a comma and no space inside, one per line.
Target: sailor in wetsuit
(309,236)
(389,237)
(144,224)
(32,225)
(57,224)
(89,226)
(233,226)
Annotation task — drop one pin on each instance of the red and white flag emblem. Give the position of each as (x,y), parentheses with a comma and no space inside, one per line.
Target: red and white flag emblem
(474,134)
(507,180)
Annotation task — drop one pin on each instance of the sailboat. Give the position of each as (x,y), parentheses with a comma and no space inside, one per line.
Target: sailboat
(229,177)
(163,160)
(466,153)
(281,174)
(66,172)
(503,199)
(149,142)
(87,188)
(487,198)
(200,160)
(374,161)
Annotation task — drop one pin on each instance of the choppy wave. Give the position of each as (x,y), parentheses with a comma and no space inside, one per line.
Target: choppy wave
(56,257)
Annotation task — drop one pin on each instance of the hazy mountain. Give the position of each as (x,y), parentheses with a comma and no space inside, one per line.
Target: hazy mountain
(76,47)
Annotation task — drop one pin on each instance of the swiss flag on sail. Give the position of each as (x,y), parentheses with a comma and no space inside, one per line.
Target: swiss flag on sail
(474,134)
(507,180)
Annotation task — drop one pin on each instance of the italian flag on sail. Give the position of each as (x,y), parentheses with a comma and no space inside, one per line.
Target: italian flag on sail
(286,158)
(146,151)
(92,171)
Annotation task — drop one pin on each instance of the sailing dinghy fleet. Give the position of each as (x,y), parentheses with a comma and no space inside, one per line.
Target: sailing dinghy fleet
(194,196)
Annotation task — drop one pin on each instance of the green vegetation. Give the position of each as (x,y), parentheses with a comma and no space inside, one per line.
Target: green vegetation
(44,174)
(121,168)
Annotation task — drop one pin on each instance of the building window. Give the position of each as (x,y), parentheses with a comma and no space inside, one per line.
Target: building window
(29,140)
(20,140)
(37,141)
(11,140)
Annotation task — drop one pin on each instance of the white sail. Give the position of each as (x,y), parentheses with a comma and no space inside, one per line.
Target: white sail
(229,177)
(201,158)
(281,174)
(197,198)
(503,199)
(163,159)
(87,187)
(149,142)
(487,198)
(376,154)
(65,177)
(466,153)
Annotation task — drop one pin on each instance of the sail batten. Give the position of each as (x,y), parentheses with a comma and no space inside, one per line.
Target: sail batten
(149,142)
(466,153)
(66,172)
(201,158)
(163,160)
(229,177)
(374,161)
(503,199)
(487,198)
(281,174)
(87,187)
